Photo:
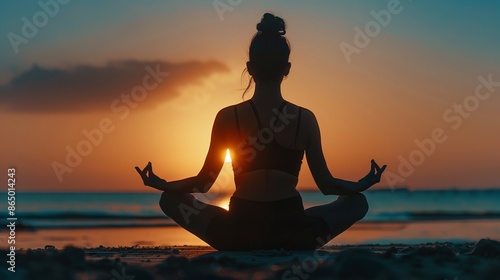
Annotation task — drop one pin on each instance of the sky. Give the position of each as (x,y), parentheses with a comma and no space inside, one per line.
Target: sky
(90,89)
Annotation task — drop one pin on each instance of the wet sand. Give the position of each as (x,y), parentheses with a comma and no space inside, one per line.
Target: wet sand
(361,233)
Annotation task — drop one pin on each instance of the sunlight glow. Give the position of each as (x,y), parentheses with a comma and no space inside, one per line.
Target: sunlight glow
(224,203)
(228,156)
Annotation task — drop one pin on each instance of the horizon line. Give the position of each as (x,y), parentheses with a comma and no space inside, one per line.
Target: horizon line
(300,191)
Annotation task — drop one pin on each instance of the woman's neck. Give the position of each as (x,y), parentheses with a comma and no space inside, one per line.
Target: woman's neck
(268,93)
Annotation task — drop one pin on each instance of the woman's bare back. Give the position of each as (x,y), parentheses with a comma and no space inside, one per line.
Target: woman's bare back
(286,127)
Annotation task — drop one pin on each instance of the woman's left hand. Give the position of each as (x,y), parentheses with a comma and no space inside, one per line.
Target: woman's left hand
(149,178)
(372,177)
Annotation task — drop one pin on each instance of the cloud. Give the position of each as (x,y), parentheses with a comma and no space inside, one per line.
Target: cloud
(86,88)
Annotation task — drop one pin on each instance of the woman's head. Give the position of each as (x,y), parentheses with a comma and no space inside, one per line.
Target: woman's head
(269,51)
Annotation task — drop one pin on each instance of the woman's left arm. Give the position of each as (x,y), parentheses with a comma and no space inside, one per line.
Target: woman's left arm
(214,161)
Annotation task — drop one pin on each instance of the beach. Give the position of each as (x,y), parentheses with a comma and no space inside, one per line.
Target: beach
(406,235)
(381,250)
(396,261)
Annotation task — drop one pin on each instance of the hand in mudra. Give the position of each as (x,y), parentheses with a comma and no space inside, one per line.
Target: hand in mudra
(372,177)
(149,178)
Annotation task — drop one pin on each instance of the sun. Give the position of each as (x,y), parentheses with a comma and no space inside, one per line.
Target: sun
(224,203)
(228,156)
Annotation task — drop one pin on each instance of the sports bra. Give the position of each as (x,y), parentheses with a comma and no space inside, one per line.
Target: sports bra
(266,155)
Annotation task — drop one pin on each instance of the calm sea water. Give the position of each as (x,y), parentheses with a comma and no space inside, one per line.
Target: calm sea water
(94,210)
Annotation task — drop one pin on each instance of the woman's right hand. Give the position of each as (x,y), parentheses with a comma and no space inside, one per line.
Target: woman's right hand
(149,178)
(372,177)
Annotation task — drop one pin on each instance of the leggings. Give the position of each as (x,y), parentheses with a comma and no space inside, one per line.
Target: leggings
(258,225)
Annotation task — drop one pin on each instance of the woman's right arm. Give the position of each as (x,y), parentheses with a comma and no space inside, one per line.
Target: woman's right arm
(214,161)
(324,180)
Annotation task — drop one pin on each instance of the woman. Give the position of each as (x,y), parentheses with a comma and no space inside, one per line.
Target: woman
(267,137)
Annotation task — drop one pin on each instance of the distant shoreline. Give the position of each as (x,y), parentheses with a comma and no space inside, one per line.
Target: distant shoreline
(312,190)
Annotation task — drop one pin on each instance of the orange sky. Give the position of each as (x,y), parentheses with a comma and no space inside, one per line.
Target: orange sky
(396,91)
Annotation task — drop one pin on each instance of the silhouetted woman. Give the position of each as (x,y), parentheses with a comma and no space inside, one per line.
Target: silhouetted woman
(267,137)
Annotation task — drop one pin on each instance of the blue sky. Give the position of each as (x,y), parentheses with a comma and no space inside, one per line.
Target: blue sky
(467,28)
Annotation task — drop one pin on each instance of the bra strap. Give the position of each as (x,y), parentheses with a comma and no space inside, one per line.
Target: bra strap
(255,112)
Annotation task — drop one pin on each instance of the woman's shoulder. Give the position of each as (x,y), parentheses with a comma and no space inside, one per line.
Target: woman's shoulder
(228,109)
(305,112)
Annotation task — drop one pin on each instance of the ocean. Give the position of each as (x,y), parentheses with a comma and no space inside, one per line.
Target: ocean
(105,210)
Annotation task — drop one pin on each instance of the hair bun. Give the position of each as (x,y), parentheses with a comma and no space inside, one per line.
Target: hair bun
(271,24)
